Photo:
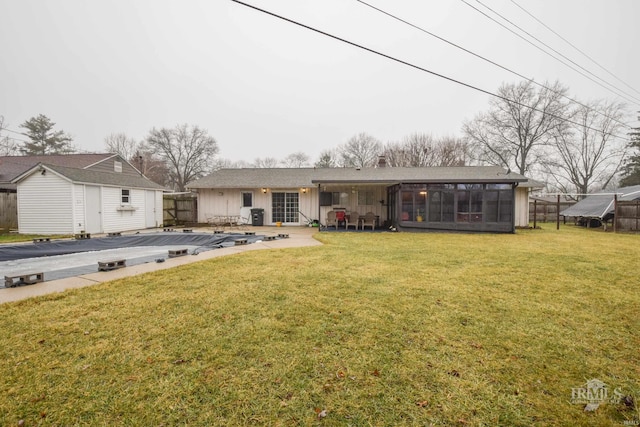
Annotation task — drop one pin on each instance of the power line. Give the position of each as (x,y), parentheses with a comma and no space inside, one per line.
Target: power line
(634,101)
(417,67)
(575,47)
(487,60)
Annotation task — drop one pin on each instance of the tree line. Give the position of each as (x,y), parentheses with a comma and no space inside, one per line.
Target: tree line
(538,131)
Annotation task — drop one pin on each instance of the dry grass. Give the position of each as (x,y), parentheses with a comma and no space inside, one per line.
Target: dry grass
(376,329)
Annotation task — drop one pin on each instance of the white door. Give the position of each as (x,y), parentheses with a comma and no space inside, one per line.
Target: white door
(150,209)
(93,209)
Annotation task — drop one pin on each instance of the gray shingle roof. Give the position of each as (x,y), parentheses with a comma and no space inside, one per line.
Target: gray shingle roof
(88,176)
(598,205)
(13,166)
(307,177)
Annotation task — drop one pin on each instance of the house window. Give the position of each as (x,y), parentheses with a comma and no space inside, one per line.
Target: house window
(247,200)
(340,198)
(125,196)
(365,198)
(117,166)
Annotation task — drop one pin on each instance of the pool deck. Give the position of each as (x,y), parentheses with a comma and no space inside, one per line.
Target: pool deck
(298,237)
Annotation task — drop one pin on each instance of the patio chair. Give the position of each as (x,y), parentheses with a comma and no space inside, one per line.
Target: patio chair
(353,219)
(341,218)
(369,221)
(331,219)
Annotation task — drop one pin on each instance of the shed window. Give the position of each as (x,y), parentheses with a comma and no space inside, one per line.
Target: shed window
(125,196)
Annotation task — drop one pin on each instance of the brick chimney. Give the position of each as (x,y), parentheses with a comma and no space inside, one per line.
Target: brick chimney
(382,162)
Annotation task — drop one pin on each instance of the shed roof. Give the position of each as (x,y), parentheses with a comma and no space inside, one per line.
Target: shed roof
(88,176)
(306,177)
(13,166)
(598,205)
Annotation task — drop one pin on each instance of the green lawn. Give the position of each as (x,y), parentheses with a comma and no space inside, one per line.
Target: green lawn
(370,329)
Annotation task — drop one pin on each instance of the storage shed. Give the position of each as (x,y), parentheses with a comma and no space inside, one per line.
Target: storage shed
(55,199)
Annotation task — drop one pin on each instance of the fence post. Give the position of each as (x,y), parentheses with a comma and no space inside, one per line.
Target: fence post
(615,212)
(558,213)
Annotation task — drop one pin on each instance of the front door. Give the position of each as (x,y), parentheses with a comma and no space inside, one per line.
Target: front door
(93,209)
(150,209)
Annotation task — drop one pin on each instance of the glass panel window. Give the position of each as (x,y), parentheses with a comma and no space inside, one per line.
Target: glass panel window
(505,211)
(463,206)
(247,200)
(499,186)
(365,198)
(285,207)
(448,199)
(407,206)
(435,206)
(491,206)
(125,196)
(475,207)
(421,205)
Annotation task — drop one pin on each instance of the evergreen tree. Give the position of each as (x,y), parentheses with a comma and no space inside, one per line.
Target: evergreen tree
(631,174)
(44,139)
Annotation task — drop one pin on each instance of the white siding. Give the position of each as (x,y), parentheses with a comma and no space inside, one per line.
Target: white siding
(79,223)
(158,209)
(116,217)
(522,207)
(218,202)
(45,205)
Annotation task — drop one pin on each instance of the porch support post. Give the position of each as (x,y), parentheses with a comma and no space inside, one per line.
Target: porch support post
(319,217)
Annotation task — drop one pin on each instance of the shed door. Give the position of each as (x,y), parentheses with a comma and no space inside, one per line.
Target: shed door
(93,209)
(150,209)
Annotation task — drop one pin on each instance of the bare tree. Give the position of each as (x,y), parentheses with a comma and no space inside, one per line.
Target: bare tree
(451,151)
(267,162)
(296,160)
(188,151)
(591,154)
(8,146)
(229,164)
(517,124)
(422,150)
(361,151)
(327,159)
(415,150)
(121,144)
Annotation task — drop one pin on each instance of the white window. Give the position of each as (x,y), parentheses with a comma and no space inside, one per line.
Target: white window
(125,196)
(117,166)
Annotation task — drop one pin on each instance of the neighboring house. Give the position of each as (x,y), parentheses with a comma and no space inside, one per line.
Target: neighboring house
(600,207)
(92,193)
(434,198)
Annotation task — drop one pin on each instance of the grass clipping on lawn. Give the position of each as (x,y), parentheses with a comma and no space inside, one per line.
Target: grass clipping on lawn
(368,329)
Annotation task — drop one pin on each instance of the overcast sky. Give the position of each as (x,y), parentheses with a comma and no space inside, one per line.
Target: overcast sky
(263,87)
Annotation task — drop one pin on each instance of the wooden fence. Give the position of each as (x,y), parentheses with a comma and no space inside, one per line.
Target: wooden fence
(627,215)
(180,209)
(8,212)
